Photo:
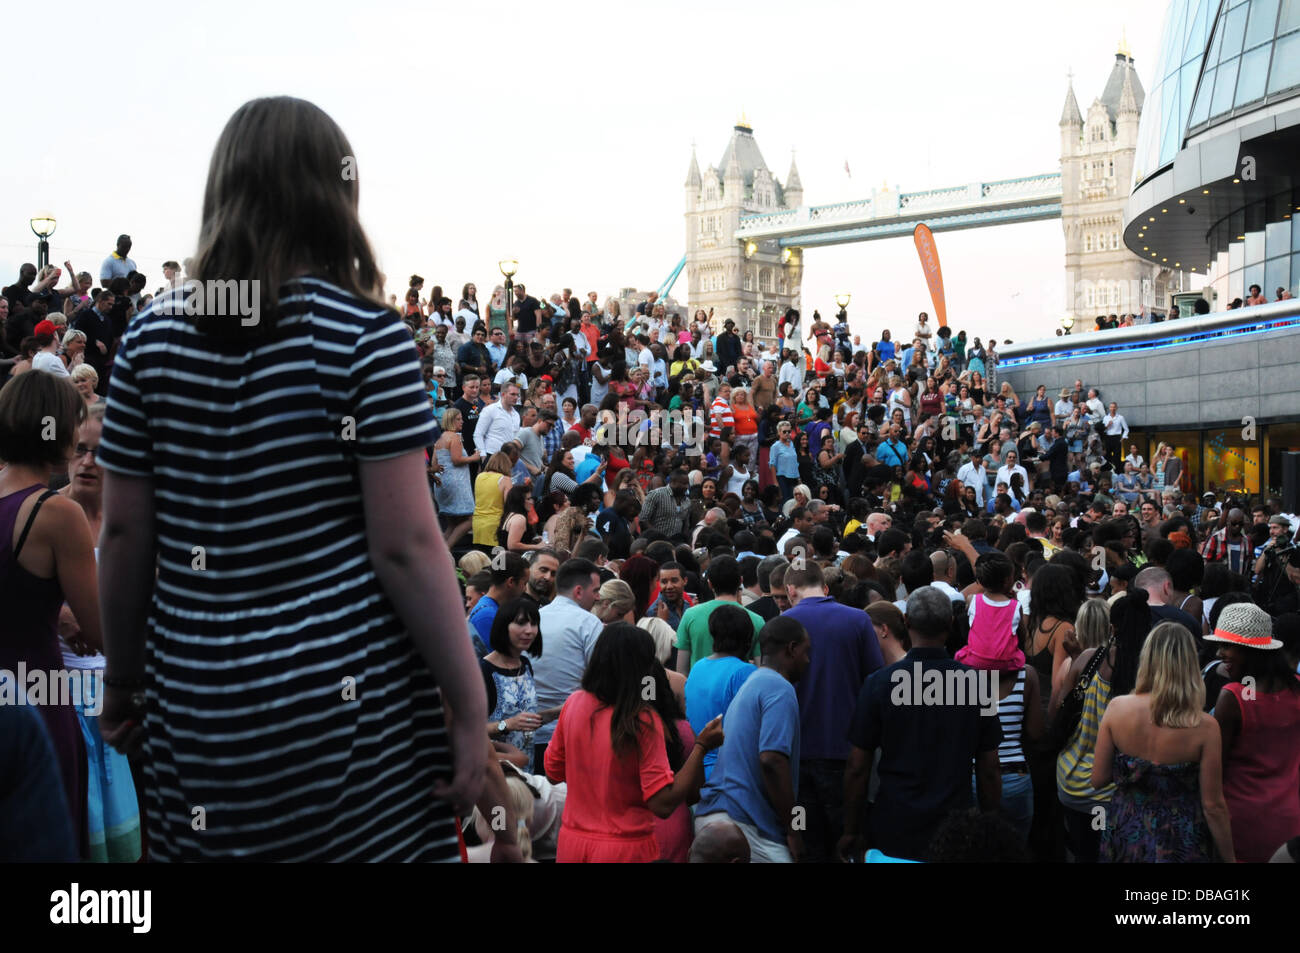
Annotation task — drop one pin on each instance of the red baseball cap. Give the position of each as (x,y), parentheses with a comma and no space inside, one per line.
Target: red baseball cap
(46,327)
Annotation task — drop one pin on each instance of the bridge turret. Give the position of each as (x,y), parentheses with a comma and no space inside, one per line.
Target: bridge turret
(793,187)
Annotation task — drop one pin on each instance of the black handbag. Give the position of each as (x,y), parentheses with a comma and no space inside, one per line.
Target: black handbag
(1068,715)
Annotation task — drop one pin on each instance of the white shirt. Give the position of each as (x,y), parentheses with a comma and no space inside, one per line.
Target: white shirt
(1116,425)
(51,363)
(644,358)
(1095,410)
(790,373)
(972,475)
(1064,407)
(947,590)
(495,426)
(1004,474)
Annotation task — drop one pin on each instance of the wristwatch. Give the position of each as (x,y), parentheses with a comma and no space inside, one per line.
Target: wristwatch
(501,727)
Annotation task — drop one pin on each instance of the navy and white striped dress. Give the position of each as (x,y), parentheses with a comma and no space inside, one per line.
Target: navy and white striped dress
(286,700)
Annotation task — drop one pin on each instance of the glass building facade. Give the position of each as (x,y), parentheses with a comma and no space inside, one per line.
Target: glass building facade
(1254,55)
(1216,181)
(1169,101)
(1217,59)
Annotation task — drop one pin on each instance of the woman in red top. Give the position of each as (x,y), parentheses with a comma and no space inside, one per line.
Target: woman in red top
(745,417)
(612,747)
(1259,717)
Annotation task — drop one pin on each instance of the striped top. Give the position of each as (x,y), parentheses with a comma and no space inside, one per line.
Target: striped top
(1074,763)
(1011,715)
(285,698)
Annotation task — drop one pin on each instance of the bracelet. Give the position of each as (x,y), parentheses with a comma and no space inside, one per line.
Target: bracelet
(700,744)
(130,684)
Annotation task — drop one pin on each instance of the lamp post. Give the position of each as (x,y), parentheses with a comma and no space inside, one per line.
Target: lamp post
(842,299)
(1067,322)
(508,268)
(43,225)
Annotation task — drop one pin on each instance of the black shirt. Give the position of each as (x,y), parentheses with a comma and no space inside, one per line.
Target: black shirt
(526,314)
(616,533)
(926,750)
(766,607)
(469,415)
(97,327)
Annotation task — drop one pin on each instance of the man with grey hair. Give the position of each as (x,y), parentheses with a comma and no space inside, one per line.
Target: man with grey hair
(1159,586)
(926,743)
(715,515)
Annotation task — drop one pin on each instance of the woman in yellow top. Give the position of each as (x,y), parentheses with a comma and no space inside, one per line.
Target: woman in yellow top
(490,489)
(1083,804)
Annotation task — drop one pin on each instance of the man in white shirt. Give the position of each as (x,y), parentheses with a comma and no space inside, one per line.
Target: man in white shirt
(1093,405)
(972,474)
(1116,434)
(498,422)
(571,634)
(945,575)
(1064,406)
(1012,465)
(48,360)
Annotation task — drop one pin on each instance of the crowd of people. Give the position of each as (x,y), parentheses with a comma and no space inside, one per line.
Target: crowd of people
(725,600)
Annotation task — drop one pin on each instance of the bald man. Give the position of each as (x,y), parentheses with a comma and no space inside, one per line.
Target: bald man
(1159,586)
(1230,544)
(721,843)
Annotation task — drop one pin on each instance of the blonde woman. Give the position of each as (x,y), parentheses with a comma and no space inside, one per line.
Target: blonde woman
(85,378)
(453,494)
(1165,756)
(74,348)
(473,563)
(497,317)
(1091,623)
(490,489)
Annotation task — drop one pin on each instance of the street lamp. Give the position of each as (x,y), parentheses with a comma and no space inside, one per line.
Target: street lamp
(1067,322)
(508,268)
(43,225)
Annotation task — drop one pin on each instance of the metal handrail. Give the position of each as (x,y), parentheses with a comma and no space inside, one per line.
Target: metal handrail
(1273,316)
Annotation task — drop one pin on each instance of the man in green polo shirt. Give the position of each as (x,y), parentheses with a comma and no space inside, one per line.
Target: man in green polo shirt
(693,639)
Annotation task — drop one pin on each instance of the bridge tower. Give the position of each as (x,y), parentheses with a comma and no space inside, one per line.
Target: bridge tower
(751,285)
(1097,151)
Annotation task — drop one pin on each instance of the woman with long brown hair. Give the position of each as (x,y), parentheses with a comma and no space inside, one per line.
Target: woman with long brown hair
(265,453)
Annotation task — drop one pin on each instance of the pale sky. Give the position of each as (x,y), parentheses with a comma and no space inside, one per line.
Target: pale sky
(560,133)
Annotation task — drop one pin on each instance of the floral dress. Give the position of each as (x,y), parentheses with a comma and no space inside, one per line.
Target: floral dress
(1155,815)
(510,692)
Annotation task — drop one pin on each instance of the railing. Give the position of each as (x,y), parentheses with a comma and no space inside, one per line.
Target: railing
(973,196)
(1262,318)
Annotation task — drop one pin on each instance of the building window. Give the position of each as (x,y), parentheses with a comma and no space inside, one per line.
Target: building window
(749,281)
(1110,168)
(1114,241)
(1087,242)
(1092,297)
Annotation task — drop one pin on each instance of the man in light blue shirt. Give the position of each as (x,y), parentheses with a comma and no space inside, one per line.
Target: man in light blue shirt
(117,265)
(496,348)
(784,461)
(892,451)
(569,630)
(755,781)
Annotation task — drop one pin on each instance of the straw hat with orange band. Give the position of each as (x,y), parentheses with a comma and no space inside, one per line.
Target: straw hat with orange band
(1246,624)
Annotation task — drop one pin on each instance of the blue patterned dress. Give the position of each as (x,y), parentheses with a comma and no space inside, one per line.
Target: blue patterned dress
(1155,815)
(509,693)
